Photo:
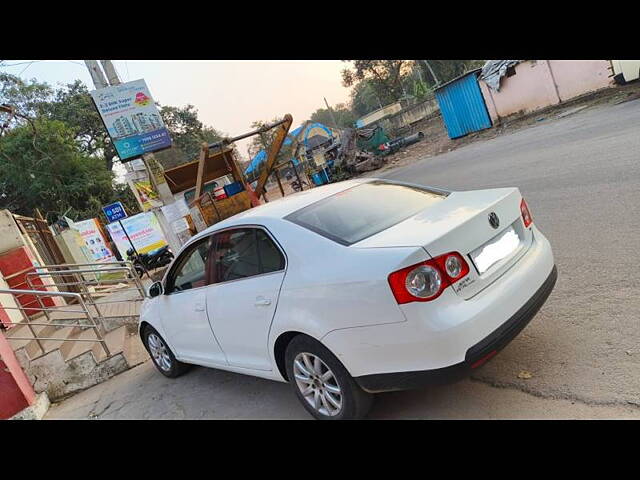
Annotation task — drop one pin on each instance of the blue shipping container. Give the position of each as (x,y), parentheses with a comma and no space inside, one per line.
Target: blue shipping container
(462,106)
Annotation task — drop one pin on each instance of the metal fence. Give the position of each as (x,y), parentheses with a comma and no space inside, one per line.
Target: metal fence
(97,290)
(95,285)
(90,321)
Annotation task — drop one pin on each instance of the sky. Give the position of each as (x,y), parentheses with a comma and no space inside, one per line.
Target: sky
(229,95)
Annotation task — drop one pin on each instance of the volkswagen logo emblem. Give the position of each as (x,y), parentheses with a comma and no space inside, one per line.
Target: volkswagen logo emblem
(494,221)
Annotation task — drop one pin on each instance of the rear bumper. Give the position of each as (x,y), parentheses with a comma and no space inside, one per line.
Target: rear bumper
(474,356)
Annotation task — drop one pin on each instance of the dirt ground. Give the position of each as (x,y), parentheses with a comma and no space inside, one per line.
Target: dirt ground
(436,140)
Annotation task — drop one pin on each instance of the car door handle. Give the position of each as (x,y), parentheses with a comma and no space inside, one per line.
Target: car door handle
(199,307)
(261,301)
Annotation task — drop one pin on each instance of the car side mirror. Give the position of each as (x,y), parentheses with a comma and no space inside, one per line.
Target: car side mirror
(155,289)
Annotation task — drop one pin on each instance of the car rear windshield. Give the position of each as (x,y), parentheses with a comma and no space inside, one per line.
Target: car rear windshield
(364,210)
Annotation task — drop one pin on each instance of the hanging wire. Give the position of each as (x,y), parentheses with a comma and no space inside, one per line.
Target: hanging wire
(20,63)
(31,63)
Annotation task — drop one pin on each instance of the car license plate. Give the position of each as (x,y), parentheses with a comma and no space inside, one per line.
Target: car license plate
(496,249)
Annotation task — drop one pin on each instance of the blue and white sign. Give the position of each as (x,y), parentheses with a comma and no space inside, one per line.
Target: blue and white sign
(132,119)
(114,212)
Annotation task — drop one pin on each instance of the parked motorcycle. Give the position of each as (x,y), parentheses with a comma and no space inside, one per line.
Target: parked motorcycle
(297,187)
(144,262)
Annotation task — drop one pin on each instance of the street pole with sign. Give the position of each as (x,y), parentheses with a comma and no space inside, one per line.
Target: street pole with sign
(115,213)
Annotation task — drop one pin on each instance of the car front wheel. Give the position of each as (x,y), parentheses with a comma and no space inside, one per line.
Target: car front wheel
(161,354)
(322,384)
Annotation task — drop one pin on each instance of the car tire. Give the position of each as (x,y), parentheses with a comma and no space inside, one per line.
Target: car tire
(317,382)
(161,355)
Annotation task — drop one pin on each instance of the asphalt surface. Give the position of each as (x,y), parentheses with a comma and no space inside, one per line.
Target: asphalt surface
(580,175)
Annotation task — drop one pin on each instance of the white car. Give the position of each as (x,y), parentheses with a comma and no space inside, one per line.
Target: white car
(353,288)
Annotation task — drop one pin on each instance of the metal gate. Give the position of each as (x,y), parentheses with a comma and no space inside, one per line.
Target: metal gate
(38,231)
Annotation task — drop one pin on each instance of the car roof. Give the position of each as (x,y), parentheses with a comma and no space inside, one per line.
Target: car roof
(283,206)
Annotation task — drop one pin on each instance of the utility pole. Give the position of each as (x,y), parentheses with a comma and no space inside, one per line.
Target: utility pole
(432,72)
(333,119)
(96,74)
(110,70)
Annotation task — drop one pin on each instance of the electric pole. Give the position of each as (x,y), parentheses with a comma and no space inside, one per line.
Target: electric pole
(333,119)
(432,72)
(96,74)
(110,70)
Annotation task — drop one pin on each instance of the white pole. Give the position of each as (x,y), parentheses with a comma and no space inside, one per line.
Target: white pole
(96,74)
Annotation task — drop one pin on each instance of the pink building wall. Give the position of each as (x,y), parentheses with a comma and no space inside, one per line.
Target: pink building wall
(16,392)
(576,77)
(540,83)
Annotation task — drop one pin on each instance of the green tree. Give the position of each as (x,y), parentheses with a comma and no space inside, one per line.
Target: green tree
(187,134)
(26,97)
(364,98)
(54,175)
(72,104)
(343,115)
(384,76)
(446,70)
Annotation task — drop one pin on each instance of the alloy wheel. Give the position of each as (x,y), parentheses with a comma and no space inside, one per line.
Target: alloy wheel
(317,384)
(159,352)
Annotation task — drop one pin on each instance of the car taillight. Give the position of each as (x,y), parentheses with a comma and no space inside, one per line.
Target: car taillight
(526,214)
(426,281)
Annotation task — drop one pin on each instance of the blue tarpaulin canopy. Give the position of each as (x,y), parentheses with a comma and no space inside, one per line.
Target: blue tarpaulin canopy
(308,128)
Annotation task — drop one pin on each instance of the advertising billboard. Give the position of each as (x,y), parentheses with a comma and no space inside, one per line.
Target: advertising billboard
(143,230)
(147,195)
(132,119)
(96,243)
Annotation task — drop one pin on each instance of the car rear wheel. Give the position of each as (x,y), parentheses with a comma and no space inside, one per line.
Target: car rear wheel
(322,384)
(161,354)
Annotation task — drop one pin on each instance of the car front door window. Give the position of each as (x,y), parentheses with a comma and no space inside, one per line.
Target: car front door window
(191,270)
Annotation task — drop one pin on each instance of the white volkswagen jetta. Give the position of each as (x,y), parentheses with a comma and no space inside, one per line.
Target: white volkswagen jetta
(353,288)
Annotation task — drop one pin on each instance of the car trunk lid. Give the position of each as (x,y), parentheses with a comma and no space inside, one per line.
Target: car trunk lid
(461,223)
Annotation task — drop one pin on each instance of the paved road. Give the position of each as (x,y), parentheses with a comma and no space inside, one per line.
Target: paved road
(581,177)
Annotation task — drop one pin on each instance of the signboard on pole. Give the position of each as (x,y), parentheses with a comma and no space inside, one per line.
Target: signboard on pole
(147,195)
(143,229)
(114,212)
(132,119)
(95,242)
(174,213)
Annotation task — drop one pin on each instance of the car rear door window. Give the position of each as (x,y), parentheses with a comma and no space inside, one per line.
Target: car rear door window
(243,253)
(271,258)
(235,255)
